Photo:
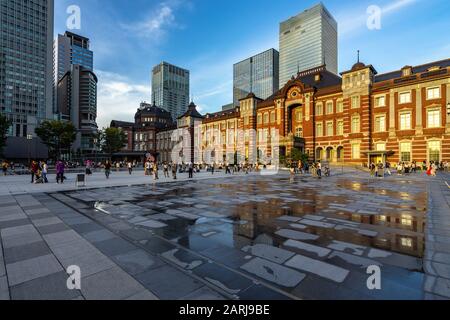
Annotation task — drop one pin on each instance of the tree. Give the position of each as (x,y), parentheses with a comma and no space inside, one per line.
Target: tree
(57,136)
(297,155)
(5,123)
(112,140)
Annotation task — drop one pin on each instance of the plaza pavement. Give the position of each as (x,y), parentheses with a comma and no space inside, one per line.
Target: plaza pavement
(125,255)
(20,184)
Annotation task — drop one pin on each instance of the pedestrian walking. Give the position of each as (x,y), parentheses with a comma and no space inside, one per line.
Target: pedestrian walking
(34,170)
(130,167)
(4,168)
(191,171)
(155,171)
(60,171)
(174,171)
(44,171)
(319,169)
(107,169)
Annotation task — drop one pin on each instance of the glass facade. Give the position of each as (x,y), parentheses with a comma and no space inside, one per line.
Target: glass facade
(26,32)
(170,88)
(258,74)
(308,40)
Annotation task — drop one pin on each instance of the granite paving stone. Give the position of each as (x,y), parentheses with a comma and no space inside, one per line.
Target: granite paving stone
(26,270)
(51,287)
(111,284)
(168,283)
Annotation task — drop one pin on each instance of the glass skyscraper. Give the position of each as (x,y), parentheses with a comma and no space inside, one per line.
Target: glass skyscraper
(170,88)
(257,74)
(76,87)
(26,37)
(308,40)
(71,49)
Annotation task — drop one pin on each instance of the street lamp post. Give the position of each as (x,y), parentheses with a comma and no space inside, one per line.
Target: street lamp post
(95,152)
(29,138)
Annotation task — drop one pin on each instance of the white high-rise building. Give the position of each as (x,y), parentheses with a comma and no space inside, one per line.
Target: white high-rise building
(170,88)
(308,40)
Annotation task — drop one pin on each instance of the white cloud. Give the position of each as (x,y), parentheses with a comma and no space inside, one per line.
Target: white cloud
(118,97)
(156,24)
(351,23)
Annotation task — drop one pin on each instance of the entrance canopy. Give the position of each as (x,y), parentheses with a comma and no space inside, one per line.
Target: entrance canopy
(381,154)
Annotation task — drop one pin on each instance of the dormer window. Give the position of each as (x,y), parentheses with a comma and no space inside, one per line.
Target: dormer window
(406,71)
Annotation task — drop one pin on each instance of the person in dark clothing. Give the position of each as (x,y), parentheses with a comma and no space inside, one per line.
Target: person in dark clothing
(34,170)
(107,169)
(191,171)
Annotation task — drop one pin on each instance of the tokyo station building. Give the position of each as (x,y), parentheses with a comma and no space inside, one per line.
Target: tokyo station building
(361,116)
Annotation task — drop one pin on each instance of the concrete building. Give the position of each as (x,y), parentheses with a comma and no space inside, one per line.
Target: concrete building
(258,74)
(26,82)
(170,88)
(77,103)
(308,40)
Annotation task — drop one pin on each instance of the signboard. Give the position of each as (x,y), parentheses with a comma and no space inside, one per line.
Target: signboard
(81,179)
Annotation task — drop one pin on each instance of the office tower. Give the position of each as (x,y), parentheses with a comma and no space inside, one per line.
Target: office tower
(26,41)
(308,40)
(70,49)
(257,74)
(170,88)
(77,102)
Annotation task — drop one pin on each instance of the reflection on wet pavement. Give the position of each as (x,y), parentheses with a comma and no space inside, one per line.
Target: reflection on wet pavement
(312,239)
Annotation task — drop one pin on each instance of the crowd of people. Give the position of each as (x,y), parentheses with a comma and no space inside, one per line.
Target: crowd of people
(39,169)
(431,168)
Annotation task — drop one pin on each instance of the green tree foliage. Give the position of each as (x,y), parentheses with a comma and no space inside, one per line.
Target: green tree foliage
(112,140)
(5,123)
(57,136)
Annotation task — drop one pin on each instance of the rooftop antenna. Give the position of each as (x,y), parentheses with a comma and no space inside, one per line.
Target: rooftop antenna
(358,56)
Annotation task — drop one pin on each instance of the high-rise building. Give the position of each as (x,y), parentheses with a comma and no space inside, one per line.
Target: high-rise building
(308,40)
(70,49)
(77,102)
(75,92)
(26,41)
(257,74)
(170,88)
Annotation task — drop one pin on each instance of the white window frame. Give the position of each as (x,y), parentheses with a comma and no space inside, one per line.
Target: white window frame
(319,134)
(340,129)
(400,120)
(332,107)
(377,104)
(428,149)
(356,156)
(332,129)
(433,97)
(401,94)
(357,104)
(319,106)
(380,129)
(378,144)
(339,106)
(401,151)
(353,129)
(439,124)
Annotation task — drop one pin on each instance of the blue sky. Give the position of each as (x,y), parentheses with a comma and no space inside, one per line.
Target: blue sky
(207,36)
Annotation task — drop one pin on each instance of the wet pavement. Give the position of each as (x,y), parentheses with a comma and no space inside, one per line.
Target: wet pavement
(271,237)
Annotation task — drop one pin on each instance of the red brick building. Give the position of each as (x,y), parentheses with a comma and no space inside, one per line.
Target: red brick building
(403,115)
